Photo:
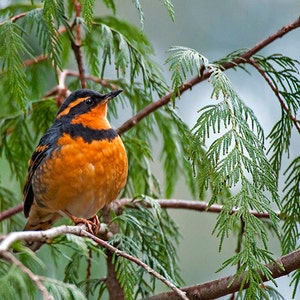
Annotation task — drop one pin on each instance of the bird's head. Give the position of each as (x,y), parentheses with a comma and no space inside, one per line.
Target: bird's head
(86,107)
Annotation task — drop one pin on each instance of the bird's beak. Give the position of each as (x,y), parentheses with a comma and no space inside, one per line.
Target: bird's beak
(112,95)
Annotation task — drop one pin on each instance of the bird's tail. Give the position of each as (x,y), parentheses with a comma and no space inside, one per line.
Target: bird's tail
(39,220)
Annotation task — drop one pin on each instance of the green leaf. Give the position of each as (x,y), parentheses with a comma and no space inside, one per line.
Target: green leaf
(12,47)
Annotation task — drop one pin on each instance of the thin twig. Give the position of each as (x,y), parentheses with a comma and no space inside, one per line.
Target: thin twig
(11,212)
(14,18)
(88,273)
(133,121)
(35,278)
(76,45)
(137,261)
(276,92)
(103,82)
(12,237)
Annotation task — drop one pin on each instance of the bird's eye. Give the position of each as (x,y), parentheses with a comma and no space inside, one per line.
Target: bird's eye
(89,101)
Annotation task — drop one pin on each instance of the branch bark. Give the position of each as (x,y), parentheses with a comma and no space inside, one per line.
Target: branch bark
(133,121)
(221,287)
(164,203)
(276,92)
(76,45)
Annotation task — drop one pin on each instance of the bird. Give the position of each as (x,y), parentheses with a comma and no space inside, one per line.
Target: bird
(79,165)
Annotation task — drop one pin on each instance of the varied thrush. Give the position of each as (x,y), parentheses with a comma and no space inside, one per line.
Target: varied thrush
(79,165)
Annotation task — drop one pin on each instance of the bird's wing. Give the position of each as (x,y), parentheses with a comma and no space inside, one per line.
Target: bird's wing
(46,145)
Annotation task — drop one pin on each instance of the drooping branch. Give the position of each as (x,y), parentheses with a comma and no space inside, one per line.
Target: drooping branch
(51,233)
(222,287)
(133,121)
(276,92)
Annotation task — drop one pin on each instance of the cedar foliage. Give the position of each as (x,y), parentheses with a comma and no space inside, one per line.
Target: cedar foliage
(223,156)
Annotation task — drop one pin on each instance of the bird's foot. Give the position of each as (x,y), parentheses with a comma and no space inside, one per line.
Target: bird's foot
(92,224)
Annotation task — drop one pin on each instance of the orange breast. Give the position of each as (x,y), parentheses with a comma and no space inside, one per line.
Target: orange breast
(81,177)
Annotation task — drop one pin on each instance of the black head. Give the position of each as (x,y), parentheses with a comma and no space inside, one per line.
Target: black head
(82,101)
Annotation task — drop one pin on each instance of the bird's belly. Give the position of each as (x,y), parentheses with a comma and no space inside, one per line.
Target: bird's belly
(81,178)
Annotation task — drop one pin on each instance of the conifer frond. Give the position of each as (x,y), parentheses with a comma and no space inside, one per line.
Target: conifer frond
(139,157)
(16,283)
(170,7)
(110,4)
(10,144)
(295,281)
(140,11)
(183,62)
(237,163)
(283,71)
(12,47)
(42,20)
(151,235)
(88,12)
(62,290)
(40,120)
(176,137)
(291,207)
(126,47)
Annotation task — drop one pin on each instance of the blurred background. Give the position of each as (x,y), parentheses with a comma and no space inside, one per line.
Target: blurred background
(215,28)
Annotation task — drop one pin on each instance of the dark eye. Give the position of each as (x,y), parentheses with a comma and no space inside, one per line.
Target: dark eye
(89,101)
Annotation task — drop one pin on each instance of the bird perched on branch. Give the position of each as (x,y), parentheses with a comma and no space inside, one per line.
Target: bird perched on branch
(79,165)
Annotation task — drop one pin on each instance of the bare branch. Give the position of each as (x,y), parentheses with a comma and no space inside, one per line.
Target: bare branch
(14,18)
(205,75)
(221,287)
(11,212)
(186,204)
(45,235)
(276,92)
(164,203)
(76,45)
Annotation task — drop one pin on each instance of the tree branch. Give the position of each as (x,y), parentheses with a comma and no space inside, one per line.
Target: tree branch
(14,18)
(221,287)
(76,45)
(276,92)
(164,203)
(45,235)
(185,204)
(11,212)
(205,75)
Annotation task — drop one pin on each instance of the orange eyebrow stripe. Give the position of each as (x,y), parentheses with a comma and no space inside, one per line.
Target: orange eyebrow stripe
(70,106)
